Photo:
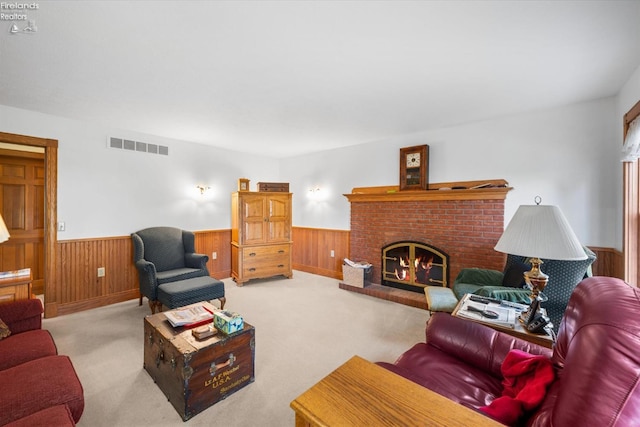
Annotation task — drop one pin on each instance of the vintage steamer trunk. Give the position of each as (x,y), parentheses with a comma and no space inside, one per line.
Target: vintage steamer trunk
(196,374)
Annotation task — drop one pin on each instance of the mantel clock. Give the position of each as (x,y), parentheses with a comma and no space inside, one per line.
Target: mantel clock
(243,184)
(414,167)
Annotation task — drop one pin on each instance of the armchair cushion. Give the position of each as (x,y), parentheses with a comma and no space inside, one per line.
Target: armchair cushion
(514,275)
(460,360)
(31,344)
(38,384)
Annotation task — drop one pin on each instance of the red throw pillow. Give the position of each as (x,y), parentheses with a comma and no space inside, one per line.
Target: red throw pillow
(526,378)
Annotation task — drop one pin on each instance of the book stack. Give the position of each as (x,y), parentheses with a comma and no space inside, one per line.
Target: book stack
(189,316)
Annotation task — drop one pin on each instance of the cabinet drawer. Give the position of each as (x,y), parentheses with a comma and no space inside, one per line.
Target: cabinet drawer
(266,270)
(251,254)
(265,261)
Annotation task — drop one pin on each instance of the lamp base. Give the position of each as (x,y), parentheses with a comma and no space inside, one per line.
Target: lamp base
(535,279)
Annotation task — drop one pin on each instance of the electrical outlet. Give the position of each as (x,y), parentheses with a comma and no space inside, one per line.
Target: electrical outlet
(214,255)
(61,226)
(333,254)
(100,271)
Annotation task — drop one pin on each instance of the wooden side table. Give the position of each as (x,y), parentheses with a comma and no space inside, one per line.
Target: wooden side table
(361,393)
(15,288)
(519,331)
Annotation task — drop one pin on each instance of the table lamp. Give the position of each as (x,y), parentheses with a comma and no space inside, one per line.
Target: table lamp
(540,231)
(4,233)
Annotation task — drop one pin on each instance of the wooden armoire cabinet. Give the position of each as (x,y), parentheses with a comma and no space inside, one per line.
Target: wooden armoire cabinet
(260,235)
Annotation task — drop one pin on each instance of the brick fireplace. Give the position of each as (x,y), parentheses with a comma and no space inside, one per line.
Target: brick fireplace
(465,223)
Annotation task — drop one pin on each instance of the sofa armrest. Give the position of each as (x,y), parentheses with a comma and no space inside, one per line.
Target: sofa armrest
(198,261)
(476,344)
(22,315)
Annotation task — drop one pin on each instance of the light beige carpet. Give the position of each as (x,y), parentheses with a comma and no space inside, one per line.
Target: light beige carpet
(305,328)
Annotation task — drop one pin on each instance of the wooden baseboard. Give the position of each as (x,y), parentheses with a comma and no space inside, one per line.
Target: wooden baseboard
(73,307)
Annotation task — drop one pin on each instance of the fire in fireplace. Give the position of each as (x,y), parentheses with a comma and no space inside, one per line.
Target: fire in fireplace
(412,266)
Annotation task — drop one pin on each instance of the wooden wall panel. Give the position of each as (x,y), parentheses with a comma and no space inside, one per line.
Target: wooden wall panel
(78,286)
(218,241)
(312,250)
(609,262)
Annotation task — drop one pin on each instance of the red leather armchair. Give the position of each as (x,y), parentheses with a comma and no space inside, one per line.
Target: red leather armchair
(596,360)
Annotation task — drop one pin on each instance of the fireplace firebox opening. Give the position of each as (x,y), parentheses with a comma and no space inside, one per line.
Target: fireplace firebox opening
(413,265)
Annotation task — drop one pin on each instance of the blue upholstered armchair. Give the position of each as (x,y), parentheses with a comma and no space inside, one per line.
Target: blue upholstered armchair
(164,255)
(564,276)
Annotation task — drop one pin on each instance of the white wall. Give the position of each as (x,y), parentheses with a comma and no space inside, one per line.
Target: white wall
(565,155)
(109,192)
(569,156)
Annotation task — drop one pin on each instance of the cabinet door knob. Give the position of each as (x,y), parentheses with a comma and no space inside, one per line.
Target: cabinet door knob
(252,254)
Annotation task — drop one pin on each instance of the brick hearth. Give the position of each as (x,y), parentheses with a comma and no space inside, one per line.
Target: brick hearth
(388,293)
(465,224)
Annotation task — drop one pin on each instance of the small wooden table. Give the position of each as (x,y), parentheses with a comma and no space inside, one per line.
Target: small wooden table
(15,288)
(519,331)
(361,393)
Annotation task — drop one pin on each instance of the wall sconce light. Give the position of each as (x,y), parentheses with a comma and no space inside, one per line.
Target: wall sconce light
(202,188)
(314,190)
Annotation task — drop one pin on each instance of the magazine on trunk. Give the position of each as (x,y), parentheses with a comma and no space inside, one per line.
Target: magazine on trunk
(188,316)
(486,313)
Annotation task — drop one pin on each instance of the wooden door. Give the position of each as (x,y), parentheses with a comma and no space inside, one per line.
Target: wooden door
(253,219)
(22,205)
(279,218)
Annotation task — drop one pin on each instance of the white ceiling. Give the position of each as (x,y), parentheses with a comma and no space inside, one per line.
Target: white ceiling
(284,78)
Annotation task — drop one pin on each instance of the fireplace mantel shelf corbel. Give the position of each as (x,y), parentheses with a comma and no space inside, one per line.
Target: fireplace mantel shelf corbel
(493,189)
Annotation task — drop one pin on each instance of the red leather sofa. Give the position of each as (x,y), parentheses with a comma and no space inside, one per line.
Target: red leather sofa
(596,360)
(37,386)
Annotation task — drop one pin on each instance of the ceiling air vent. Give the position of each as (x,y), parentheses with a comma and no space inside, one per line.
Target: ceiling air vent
(142,147)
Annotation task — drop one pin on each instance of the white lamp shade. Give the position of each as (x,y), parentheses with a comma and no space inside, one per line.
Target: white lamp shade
(4,233)
(540,231)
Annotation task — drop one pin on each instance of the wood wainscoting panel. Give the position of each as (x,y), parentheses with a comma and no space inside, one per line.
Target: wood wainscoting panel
(609,262)
(78,286)
(218,241)
(312,250)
